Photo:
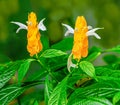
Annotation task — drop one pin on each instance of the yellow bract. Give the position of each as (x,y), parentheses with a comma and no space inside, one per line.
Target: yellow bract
(34,45)
(80,47)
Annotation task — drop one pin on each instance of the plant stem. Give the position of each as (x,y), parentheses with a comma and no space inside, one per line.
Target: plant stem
(48,70)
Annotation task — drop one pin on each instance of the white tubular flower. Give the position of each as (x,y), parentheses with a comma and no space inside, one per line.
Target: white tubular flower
(21,26)
(69,29)
(41,25)
(92,32)
(69,63)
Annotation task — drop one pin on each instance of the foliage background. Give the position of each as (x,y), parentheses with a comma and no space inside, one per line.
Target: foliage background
(103,13)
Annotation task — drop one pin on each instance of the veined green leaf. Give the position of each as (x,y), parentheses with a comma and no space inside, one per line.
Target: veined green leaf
(116,98)
(106,71)
(58,96)
(9,93)
(90,101)
(23,69)
(105,89)
(73,79)
(88,68)
(52,53)
(107,78)
(48,90)
(7,71)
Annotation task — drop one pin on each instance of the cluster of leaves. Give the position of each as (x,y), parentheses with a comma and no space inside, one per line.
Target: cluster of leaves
(54,85)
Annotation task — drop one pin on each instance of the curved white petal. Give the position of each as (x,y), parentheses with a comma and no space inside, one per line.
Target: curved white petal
(69,29)
(21,26)
(95,29)
(90,27)
(41,25)
(69,63)
(93,33)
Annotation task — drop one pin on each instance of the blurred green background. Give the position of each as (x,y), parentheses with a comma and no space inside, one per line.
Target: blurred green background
(98,13)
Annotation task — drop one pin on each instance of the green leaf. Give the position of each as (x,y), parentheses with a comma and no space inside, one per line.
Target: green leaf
(94,52)
(35,103)
(105,89)
(74,78)
(90,101)
(88,68)
(107,71)
(106,78)
(52,53)
(110,59)
(116,98)
(23,69)
(9,93)
(58,96)
(7,71)
(48,90)
(93,56)
(94,49)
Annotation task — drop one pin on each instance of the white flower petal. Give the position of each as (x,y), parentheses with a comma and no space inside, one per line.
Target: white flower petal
(41,25)
(21,26)
(69,29)
(90,27)
(95,29)
(69,63)
(93,33)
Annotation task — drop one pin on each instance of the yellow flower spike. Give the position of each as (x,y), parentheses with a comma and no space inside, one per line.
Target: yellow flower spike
(34,45)
(80,44)
(80,47)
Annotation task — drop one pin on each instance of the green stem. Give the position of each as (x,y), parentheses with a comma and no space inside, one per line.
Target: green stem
(104,51)
(33,83)
(53,77)
(48,70)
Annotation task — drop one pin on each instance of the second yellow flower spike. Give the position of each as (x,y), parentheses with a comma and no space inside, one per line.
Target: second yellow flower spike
(80,44)
(34,45)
